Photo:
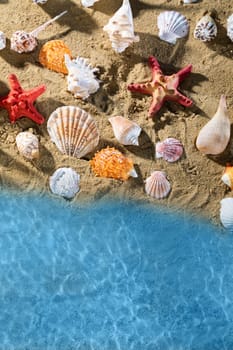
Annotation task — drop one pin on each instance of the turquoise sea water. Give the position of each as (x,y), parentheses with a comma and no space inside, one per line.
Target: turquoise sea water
(114,276)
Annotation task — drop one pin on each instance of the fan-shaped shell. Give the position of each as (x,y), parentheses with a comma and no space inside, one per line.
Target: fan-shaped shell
(170,149)
(88,3)
(64,182)
(227,177)
(52,56)
(28,145)
(157,185)
(206,29)
(109,162)
(73,131)
(226,213)
(125,131)
(172,25)
(81,77)
(23,42)
(230,27)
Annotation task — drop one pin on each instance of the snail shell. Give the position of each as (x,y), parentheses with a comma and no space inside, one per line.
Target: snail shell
(125,131)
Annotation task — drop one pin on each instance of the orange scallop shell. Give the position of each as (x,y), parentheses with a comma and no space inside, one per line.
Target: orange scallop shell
(52,56)
(109,162)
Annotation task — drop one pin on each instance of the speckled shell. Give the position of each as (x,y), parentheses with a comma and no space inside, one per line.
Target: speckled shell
(172,25)
(73,131)
(52,54)
(109,162)
(81,77)
(157,185)
(206,29)
(2,41)
(125,131)
(88,3)
(170,149)
(64,182)
(230,27)
(227,177)
(23,42)
(226,213)
(28,145)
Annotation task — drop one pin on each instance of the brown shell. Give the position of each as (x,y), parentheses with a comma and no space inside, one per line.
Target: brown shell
(52,56)
(109,162)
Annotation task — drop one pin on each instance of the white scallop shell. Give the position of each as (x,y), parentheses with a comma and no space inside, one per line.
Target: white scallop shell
(64,182)
(170,149)
(172,26)
(88,3)
(157,185)
(206,29)
(226,213)
(81,78)
(230,27)
(73,131)
(120,28)
(2,41)
(125,131)
(28,145)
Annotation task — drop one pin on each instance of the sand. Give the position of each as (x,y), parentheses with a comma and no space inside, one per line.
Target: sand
(195,178)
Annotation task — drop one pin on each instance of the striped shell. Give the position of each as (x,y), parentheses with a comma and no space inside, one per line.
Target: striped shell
(226,213)
(230,27)
(157,185)
(109,162)
(64,182)
(206,29)
(227,177)
(52,54)
(125,131)
(170,149)
(28,145)
(73,131)
(172,26)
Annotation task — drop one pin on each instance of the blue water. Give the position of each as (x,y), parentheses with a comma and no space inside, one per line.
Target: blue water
(115,276)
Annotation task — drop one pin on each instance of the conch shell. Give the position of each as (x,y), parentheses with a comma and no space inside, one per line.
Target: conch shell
(28,145)
(52,55)
(215,135)
(125,131)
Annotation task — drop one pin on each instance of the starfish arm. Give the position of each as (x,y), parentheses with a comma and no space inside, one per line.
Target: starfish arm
(157,102)
(155,67)
(184,72)
(34,93)
(31,113)
(142,88)
(14,83)
(183,100)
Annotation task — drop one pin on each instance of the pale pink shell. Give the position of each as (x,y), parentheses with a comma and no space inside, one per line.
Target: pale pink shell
(157,185)
(23,42)
(170,149)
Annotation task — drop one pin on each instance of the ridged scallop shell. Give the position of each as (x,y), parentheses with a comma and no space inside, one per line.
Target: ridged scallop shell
(227,177)
(109,162)
(52,54)
(64,182)
(73,131)
(172,26)
(230,27)
(206,29)
(28,145)
(226,213)
(125,131)
(170,149)
(157,185)
(120,28)
(2,41)
(88,3)
(81,77)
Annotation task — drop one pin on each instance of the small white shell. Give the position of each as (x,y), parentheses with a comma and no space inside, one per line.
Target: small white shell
(157,185)
(39,1)
(189,1)
(88,3)
(125,131)
(172,25)
(81,78)
(206,29)
(2,41)
(64,182)
(28,145)
(230,27)
(120,28)
(226,213)
(170,149)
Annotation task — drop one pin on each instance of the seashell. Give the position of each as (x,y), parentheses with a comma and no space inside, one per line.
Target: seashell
(26,42)
(64,182)
(39,1)
(170,149)
(226,213)
(206,29)
(230,27)
(52,55)
(172,26)
(88,3)
(189,1)
(227,177)
(28,145)
(2,41)
(81,78)
(157,185)
(125,131)
(109,162)
(215,135)
(120,28)
(73,131)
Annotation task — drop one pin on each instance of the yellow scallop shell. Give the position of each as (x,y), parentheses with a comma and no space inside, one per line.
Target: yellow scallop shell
(52,54)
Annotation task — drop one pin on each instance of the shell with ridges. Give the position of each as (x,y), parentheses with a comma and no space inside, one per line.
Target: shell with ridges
(125,131)
(28,145)
(226,213)
(206,29)
(73,131)
(64,182)
(230,27)
(170,149)
(172,26)
(157,185)
(109,162)
(227,177)
(88,3)
(52,54)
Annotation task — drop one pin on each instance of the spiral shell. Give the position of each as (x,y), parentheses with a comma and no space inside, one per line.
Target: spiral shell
(125,131)
(170,149)
(172,25)
(64,182)
(28,145)
(226,213)
(206,29)
(23,42)
(157,185)
(52,54)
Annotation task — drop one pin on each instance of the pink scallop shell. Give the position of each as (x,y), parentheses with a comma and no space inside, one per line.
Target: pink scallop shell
(157,185)
(170,149)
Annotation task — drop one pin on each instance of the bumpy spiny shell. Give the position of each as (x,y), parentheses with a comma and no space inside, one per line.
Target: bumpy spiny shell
(64,182)
(170,149)
(52,55)
(73,131)
(109,162)
(157,185)
(28,145)
(206,29)
(230,27)
(172,25)
(226,213)
(88,3)
(125,131)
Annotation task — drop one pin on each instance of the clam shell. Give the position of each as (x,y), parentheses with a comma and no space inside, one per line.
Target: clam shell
(23,42)
(172,26)
(125,131)
(28,145)
(109,162)
(226,213)
(73,131)
(64,182)
(227,177)
(88,3)
(157,185)
(230,27)
(206,29)
(52,54)
(170,149)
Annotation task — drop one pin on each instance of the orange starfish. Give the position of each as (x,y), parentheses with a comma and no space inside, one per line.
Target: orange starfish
(163,87)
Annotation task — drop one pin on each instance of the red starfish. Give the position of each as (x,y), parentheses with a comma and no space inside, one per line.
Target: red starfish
(19,103)
(163,87)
